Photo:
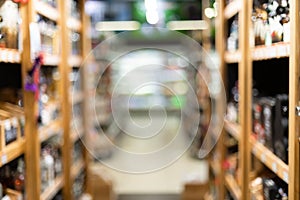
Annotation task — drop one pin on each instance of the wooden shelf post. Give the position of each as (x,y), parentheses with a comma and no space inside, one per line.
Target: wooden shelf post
(32,145)
(245,96)
(220,46)
(294,100)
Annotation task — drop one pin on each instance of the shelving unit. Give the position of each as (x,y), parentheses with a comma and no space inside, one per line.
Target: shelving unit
(37,134)
(266,156)
(244,58)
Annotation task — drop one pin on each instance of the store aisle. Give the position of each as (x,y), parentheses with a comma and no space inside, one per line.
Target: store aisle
(166,183)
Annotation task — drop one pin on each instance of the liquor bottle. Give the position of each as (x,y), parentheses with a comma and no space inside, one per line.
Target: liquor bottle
(232,41)
(19,177)
(47,169)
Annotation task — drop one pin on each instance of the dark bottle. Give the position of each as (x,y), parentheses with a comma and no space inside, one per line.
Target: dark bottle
(6,178)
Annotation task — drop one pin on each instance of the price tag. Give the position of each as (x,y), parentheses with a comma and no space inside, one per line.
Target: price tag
(274,167)
(7,125)
(288,50)
(14,122)
(281,50)
(286,177)
(16,57)
(2,55)
(4,159)
(22,120)
(254,54)
(254,150)
(272,52)
(263,158)
(9,56)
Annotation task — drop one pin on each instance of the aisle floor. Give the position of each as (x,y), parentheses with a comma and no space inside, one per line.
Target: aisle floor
(168,181)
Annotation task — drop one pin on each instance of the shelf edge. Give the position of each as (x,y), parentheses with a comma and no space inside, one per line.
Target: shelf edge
(47,11)
(232,186)
(232,9)
(233,129)
(269,159)
(12,151)
(50,192)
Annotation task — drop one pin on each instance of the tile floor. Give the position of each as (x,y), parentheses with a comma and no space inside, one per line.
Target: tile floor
(166,183)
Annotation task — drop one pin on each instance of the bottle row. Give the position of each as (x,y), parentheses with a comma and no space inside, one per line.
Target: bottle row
(270,122)
(264,184)
(12,178)
(12,122)
(10,22)
(12,175)
(269,187)
(271,24)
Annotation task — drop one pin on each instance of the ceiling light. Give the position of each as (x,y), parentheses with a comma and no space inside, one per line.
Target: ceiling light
(118,26)
(150,4)
(210,12)
(187,25)
(152,17)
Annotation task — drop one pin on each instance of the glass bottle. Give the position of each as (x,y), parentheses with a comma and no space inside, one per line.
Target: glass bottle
(19,177)
(47,169)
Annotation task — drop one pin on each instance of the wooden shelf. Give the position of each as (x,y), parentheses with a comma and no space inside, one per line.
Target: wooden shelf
(75,61)
(76,169)
(232,56)
(10,55)
(12,151)
(50,130)
(51,60)
(215,166)
(232,8)
(74,24)
(51,191)
(232,186)
(267,157)
(256,196)
(76,97)
(208,196)
(277,50)
(233,129)
(76,135)
(46,10)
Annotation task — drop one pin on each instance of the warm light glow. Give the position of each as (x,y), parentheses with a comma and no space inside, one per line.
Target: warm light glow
(187,25)
(152,17)
(151,11)
(150,5)
(210,12)
(117,26)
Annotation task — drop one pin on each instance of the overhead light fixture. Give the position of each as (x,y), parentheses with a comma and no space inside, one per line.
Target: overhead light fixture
(210,12)
(152,17)
(151,4)
(118,26)
(187,25)
(151,11)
